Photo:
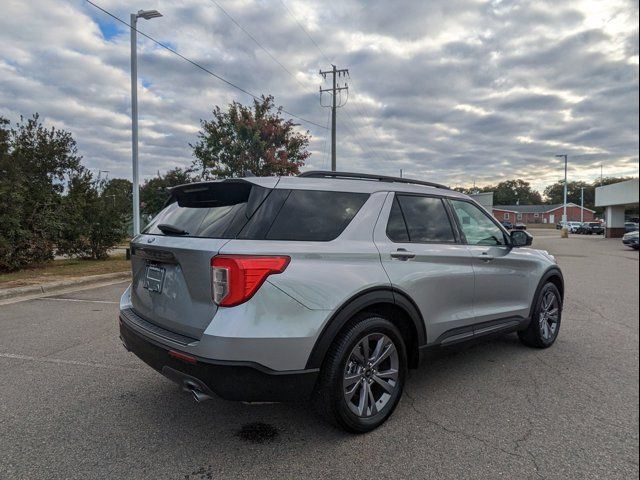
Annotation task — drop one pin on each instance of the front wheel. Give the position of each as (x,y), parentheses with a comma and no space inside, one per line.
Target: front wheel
(364,373)
(545,322)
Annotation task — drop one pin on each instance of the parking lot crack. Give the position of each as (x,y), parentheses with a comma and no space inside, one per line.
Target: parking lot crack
(469,436)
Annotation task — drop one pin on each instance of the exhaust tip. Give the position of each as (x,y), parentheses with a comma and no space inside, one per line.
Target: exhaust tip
(198,395)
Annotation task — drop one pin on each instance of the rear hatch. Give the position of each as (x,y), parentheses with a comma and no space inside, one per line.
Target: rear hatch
(171,259)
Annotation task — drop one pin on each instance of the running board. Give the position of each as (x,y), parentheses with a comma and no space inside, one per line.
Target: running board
(463,334)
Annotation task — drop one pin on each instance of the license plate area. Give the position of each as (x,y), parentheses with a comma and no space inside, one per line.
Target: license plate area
(154,278)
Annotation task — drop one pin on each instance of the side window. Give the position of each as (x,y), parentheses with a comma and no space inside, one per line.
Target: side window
(419,219)
(396,227)
(477,227)
(318,216)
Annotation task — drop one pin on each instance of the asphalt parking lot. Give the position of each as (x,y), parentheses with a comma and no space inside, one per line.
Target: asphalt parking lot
(75,404)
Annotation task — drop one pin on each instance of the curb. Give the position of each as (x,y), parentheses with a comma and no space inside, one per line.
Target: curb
(52,287)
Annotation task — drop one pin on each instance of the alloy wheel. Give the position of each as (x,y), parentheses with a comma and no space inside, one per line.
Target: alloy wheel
(371,375)
(549,315)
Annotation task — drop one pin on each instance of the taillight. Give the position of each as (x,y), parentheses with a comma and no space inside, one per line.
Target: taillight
(236,278)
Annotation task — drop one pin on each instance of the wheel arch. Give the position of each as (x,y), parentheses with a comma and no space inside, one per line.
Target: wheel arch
(390,302)
(554,275)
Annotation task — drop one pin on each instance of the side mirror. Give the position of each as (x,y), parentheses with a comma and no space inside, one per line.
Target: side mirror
(521,238)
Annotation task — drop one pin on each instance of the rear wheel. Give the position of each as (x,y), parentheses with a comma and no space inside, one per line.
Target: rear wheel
(545,323)
(364,373)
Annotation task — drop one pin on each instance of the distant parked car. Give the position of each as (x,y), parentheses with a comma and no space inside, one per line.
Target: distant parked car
(631,239)
(630,227)
(583,228)
(559,225)
(573,226)
(507,224)
(519,226)
(592,228)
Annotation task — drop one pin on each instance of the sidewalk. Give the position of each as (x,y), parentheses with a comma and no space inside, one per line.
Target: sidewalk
(61,285)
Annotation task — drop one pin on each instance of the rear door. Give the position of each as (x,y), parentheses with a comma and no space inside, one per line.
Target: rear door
(171,259)
(423,256)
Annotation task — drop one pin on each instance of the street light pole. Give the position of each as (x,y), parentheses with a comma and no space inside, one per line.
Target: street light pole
(564,207)
(581,204)
(564,230)
(147,15)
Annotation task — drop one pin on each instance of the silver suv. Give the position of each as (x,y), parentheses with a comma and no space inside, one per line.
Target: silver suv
(326,286)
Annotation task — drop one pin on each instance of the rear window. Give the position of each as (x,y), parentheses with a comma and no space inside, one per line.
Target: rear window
(246,211)
(215,210)
(418,219)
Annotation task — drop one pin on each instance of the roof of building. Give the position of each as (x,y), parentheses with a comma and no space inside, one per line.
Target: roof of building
(533,208)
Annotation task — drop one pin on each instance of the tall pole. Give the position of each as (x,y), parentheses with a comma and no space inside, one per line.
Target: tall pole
(147,15)
(333,123)
(582,205)
(335,89)
(564,206)
(134,124)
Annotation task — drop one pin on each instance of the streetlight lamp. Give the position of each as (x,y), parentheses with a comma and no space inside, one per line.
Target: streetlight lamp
(147,15)
(564,206)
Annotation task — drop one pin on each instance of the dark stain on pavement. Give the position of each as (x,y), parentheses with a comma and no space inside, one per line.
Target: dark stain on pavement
(257,432)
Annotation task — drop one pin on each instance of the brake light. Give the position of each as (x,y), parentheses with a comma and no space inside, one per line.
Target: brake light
(236,278)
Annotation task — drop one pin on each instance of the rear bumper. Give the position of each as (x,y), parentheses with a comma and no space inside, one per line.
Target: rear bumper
(242,381)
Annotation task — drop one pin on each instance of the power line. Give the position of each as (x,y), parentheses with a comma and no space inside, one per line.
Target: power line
(331,61)
(197,65)
(334,72)
(306,32)
(248,34)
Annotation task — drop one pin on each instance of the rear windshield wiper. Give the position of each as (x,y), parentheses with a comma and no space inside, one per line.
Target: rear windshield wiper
(171,229)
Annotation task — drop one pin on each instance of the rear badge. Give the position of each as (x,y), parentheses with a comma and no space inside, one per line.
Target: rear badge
(154,278)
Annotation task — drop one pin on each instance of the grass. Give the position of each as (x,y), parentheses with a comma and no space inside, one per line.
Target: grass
(63,269)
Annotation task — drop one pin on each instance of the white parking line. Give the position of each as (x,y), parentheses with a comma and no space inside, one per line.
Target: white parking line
(77,300)
(64,362)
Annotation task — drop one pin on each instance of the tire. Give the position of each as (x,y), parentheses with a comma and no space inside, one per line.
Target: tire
(544,326)
(345,373)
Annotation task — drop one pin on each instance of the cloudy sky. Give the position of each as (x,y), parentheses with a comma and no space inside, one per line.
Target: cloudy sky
(454,91)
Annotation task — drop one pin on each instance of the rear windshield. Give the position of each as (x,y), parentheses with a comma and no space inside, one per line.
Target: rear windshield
(246,211)
(216,210)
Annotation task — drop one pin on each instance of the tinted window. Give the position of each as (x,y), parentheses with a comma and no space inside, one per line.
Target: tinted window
(214,210)
(315,215)
(476,225)
(396,227)
(426,220)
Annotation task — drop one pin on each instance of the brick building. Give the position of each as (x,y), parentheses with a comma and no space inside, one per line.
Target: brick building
(540,213)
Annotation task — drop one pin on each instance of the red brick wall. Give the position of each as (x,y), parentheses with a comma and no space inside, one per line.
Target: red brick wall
(573,215)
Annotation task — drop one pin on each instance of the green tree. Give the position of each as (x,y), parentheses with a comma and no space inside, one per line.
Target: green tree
(554,193)
(513,192)
(35,165)
(255,139)
(155,191)
(94,222)
(118,192)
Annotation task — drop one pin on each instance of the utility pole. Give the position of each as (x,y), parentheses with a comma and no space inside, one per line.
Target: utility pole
(147,15)
(564,205)
(335,89)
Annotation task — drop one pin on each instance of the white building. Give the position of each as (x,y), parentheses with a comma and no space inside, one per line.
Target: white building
(616,198)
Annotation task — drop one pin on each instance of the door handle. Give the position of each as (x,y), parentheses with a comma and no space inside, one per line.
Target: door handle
(403,254)
(485,257)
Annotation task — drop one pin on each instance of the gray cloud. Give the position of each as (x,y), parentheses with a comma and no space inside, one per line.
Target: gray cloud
(455,91)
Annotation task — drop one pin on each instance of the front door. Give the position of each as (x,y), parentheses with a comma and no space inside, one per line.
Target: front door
(503,273)
(423,256)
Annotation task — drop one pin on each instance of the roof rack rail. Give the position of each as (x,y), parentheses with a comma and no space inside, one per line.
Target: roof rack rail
(366,176)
